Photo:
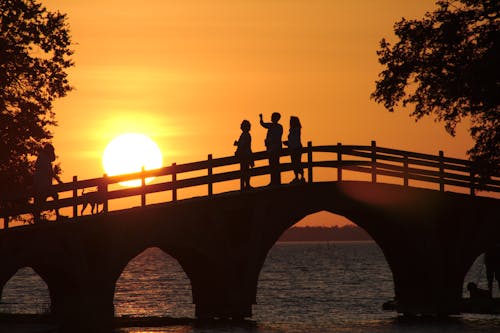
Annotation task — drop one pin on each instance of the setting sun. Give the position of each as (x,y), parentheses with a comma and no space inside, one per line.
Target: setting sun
(128,153)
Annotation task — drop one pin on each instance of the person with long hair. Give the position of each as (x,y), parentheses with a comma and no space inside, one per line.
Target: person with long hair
(295,147)
(42,178)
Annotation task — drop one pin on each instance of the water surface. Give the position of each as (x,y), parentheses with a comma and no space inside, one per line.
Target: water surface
(303,288)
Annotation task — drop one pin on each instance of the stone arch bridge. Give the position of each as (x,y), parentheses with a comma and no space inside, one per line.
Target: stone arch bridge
(429,237)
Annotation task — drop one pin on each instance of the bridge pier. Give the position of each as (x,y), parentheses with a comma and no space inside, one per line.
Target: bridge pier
(222,294)
(89,305)
(425,283)
(209,309)
(219,285)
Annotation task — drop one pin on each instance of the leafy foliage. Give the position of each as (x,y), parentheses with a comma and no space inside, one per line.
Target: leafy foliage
(34,56)
(447,64)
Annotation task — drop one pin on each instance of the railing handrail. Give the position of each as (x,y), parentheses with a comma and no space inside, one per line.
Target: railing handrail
(374,160)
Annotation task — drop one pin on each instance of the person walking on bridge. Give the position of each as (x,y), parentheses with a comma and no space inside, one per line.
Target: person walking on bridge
(42,179)
(244,154)
(273,145)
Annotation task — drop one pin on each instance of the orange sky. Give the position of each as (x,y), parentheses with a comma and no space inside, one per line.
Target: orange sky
(187,72)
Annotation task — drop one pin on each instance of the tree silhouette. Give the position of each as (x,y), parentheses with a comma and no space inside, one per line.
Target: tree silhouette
(447,64)
(34,56)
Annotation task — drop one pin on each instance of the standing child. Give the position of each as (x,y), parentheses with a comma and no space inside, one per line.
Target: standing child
(244,154)
(295,146)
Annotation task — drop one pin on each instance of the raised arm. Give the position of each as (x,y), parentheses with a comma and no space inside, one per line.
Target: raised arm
(262,123)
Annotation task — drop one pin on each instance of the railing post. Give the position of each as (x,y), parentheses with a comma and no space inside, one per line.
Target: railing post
(472,182)
(441,171)
(6,222)
(374,162)
(75,197)
(405,171)
(143,187)
(210,171)
(104,189)
(309,162)
(339,159)
(174,180)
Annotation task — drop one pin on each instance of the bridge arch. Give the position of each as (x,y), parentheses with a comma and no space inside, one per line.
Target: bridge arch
(295,209)
(475,269)
(336,267)
(166,291)
(55,259)
(476,274)
(25,291)
(276,216)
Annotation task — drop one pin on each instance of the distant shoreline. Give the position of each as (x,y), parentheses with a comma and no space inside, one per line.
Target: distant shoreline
(326,242)
(325,234)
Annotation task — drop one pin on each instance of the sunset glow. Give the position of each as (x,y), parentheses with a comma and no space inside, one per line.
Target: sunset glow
(188,72)
(128,153)
(249,166)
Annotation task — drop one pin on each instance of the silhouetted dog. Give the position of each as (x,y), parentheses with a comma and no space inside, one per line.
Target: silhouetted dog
(92,199)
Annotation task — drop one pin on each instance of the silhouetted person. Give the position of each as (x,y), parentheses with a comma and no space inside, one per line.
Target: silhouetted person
(492,263)
(42,179)
(295,147)
(477,293)
(273,145)
(244,154)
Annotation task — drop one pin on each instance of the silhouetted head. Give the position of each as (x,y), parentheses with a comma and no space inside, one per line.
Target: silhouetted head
(295,122)
(275,117)
(245,126)
(49,150)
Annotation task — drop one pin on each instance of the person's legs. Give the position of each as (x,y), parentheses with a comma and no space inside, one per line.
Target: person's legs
(300,168)
(36,208)
(296,164)
(39,199)
(245,174)
(242,170)
(55,197)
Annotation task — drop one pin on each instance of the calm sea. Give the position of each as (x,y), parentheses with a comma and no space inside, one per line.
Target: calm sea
(303,288)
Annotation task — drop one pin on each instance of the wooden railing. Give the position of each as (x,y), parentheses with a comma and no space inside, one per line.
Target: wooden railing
(376,161)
